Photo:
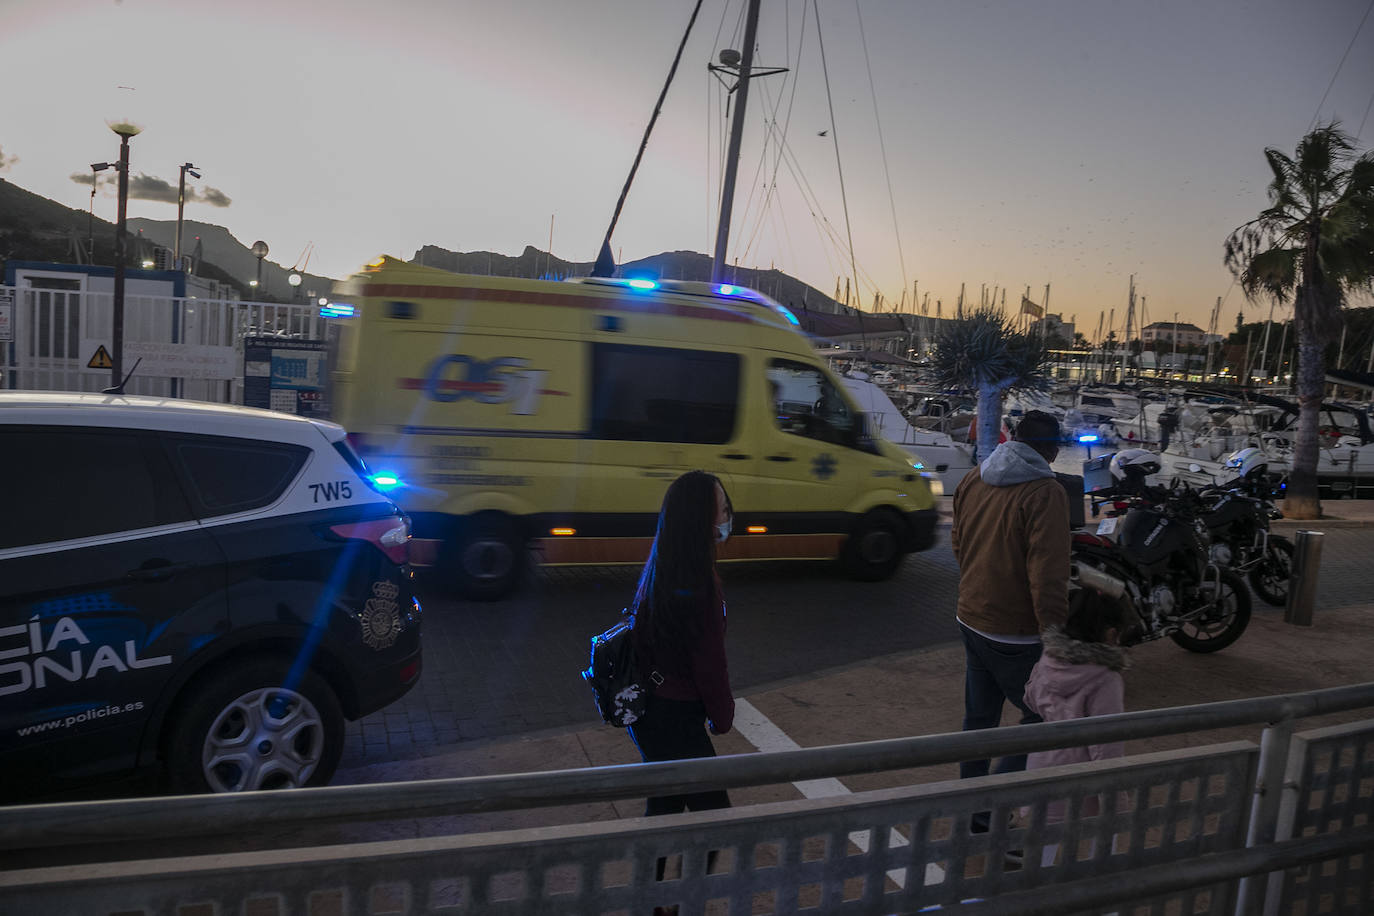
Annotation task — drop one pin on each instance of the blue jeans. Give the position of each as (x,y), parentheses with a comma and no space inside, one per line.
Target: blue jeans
(995,672)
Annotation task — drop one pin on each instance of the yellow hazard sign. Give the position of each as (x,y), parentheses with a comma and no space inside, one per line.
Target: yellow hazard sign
(100,359)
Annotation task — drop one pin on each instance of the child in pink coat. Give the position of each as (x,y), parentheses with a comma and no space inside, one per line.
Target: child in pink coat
(1079,675)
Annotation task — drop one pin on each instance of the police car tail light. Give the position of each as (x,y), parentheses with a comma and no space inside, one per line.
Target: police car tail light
(389,535)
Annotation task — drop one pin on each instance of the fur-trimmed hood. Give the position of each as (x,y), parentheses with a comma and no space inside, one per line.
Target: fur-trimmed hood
(1059,645)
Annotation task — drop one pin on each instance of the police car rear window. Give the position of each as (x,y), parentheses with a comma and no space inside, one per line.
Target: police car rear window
(73,482)
(234,475)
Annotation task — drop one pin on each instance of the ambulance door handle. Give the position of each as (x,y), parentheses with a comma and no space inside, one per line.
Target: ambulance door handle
(780,458)
(735,456)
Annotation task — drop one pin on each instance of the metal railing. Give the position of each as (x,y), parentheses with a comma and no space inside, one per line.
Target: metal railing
(1177,829)
(192,348)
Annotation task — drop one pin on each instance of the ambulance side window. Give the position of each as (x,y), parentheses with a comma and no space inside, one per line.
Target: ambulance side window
(663,394)
(805,403)
(73,482)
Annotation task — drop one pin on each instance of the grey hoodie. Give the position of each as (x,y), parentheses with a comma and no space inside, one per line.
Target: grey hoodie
(1014,462)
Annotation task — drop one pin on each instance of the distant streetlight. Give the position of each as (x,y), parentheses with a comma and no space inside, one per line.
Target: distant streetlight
(295,281)
(125,130)
(181,207)
(96,167)
(259,249)
(147,264)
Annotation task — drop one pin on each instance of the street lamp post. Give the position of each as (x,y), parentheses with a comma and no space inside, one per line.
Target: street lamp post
(295,280)
(181,207)
(259,249)
(125,130)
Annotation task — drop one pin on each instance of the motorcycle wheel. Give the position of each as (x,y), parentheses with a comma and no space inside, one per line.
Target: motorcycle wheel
(1223,621)
(1269,578)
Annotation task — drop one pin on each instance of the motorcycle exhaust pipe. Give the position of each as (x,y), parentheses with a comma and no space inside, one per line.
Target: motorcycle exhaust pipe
(1094,578)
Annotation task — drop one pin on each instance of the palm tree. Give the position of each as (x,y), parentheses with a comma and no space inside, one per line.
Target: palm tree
(984,352)
(1314,242)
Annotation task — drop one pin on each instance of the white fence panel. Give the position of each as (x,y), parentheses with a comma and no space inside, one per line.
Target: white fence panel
(190,348)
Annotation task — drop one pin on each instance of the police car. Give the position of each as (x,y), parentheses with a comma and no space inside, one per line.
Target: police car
(207,589)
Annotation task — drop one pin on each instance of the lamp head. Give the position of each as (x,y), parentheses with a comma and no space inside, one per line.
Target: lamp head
(294,279)
(193,173)
(125,128)
(101,166)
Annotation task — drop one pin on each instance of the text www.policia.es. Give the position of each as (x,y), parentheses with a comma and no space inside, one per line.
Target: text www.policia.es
(79,718)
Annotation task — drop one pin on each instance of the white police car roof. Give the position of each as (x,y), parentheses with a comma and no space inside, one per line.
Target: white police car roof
(64,408)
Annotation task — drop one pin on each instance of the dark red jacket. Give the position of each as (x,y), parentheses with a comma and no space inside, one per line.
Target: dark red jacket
(705,677)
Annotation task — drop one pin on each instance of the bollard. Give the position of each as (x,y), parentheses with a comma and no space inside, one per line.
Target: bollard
(1302,585)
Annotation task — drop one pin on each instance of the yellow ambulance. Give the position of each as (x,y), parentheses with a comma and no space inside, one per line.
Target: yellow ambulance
(506,414)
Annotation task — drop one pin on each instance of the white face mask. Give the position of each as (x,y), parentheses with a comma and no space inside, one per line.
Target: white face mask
(723,531)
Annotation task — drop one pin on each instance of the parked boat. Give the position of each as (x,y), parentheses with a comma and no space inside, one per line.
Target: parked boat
(943,456)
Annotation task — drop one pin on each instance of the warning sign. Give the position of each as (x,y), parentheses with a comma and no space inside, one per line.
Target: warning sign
(101,359)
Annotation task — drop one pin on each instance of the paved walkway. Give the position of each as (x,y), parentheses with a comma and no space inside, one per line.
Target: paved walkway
(920,693)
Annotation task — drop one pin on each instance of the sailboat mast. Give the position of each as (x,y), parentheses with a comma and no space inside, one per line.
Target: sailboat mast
(727,190)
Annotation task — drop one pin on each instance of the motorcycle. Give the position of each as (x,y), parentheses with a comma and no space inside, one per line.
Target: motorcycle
(1238,536)
(1161,569)
(1233,525)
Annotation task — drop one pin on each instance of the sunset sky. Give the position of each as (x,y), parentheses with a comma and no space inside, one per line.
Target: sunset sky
(1068,142)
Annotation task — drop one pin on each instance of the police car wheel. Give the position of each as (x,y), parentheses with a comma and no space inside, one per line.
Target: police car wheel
(874,549)
(486,559)
(243,730)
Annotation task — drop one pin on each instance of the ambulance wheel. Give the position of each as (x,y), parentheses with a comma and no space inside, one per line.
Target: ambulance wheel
(485,558)
(244,728)
(874,549)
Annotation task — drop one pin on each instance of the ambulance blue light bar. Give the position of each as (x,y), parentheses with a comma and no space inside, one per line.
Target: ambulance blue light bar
(338,310)
(641,283)
(1088,437)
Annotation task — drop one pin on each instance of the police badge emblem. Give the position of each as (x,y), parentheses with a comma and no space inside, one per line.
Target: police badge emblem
(381,618)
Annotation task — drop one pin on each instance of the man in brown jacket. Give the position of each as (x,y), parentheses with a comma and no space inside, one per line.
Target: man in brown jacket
(1011,539)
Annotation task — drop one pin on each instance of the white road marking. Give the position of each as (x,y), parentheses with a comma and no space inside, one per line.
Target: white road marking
(759,730)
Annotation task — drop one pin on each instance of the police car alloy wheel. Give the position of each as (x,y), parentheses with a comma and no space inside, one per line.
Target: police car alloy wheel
(245,731)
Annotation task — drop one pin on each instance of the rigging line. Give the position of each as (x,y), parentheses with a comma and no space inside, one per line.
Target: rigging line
(759,168)
(1366,116)
(720,28)
(817,212)
(882,147)
(710,216)
(1339,65)
(770,129)
(835,135)
(792,98)
(644,143)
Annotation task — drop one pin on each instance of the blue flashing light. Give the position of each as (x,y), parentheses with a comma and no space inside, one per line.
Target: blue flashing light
(787,313)
(1088,437)
(643,284)
(726,290)
(338,310)
(385,480)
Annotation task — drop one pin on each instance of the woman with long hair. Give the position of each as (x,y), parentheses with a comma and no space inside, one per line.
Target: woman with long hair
(679,635)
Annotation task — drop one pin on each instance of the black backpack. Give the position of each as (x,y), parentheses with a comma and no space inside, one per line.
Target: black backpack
(613,677)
